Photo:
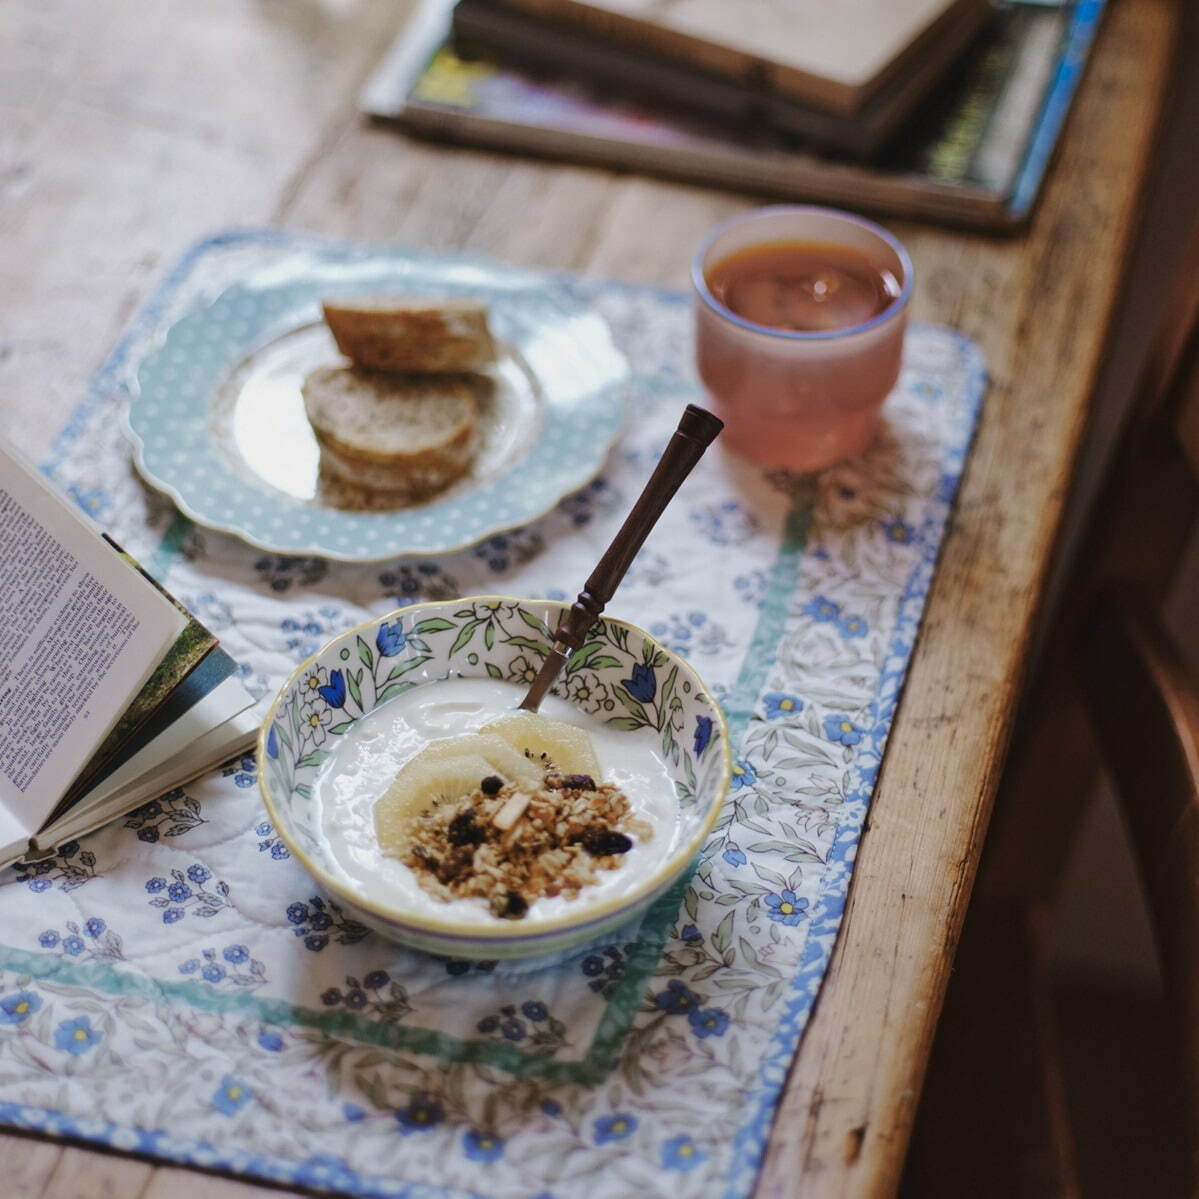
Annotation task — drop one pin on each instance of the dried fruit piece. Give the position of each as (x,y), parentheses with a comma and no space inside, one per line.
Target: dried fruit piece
(600,842)
(492,785)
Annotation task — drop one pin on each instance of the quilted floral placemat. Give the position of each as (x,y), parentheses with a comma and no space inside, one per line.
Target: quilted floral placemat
(176,986)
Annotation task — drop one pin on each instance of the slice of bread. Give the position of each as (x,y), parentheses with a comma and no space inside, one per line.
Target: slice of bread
(406,435)
(399,334)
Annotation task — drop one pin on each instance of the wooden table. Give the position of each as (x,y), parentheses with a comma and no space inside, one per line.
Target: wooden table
(128,130)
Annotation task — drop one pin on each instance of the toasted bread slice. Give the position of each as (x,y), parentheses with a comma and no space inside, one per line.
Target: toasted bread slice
(406,435)
(399,334)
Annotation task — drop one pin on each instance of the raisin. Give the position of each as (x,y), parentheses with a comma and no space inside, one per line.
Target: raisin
(491,785)
(599,842)
(579,782)
(463,830)
(510,905)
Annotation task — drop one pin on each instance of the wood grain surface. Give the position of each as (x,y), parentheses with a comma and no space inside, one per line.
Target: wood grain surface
(128,131)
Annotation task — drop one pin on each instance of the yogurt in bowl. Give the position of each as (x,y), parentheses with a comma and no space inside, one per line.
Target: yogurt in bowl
(365,705)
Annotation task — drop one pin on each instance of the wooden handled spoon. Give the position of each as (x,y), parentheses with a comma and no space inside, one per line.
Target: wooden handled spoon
(697,430)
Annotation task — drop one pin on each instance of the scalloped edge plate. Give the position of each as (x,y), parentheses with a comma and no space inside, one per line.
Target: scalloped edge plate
(566,348)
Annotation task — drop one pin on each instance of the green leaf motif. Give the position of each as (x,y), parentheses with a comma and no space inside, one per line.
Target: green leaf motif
(534,622)
(432,624)
(626,723)
(465,634)
(313,758)
(604,662)
(403,668)
(723,934)
(493,671)
(538,647)
(343,727)
(354,686)
(365,654)
(489,636)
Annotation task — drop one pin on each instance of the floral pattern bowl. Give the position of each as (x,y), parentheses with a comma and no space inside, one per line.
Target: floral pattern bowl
(621,676)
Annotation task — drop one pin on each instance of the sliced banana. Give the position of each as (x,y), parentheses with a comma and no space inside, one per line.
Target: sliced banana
(419,785)
(548,741)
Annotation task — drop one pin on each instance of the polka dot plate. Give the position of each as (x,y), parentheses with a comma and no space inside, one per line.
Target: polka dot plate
(217,420)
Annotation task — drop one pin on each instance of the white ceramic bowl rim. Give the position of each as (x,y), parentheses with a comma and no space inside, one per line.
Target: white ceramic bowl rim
(700,283)
(463,930)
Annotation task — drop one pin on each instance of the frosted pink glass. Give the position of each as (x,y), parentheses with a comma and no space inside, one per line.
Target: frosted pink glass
(798,400)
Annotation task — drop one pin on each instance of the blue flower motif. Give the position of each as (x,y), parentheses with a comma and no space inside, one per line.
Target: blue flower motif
(198,875)
(190,966)
(270,1040)
(155,885)
(235,954)
(179,892)
(703,734)
(842,730)
(297,913)
(212,973)
(69,850)
(708,1022)
(149,834)
(279,851)
(899,531)
(681,1153)
(643,685)
(551,1107)
(743,774)
(422,1113)
(94,927)
(272,742)
(18,1007)
(677,1000)
(734,856)
(316,942)
(513,1029)
(334,692)
(73,945)
(690,933)
(785,907)
(171,915)
(822,609)
(615,1127)
(231,1096)
(593,965)
(320,921)
(76,1036)
(488,1024)
(40,884)
(391,638)
(853,626)
(353,1113)
(535,1011)
(48,939)
(483,1146)
(781,704)
(376,979)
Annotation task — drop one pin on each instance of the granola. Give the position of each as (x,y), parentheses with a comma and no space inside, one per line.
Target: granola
(510,845)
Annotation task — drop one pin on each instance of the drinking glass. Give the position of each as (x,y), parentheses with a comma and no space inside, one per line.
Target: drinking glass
(796,399)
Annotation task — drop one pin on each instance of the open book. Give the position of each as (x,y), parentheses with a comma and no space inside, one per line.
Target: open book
(110,693)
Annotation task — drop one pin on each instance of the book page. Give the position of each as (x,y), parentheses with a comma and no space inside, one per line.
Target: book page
(80,631)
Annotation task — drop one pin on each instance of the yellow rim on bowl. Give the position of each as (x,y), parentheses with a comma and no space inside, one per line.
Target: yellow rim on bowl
(674,864)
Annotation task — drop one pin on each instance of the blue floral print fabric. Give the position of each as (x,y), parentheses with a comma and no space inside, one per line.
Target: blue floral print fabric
(176,985)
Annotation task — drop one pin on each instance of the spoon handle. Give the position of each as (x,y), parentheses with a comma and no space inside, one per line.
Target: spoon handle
(696,431)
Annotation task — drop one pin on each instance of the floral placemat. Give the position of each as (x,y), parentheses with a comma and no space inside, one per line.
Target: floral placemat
(176,986)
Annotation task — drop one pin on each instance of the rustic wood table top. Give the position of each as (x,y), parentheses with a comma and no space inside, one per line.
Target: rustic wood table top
(129,130)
